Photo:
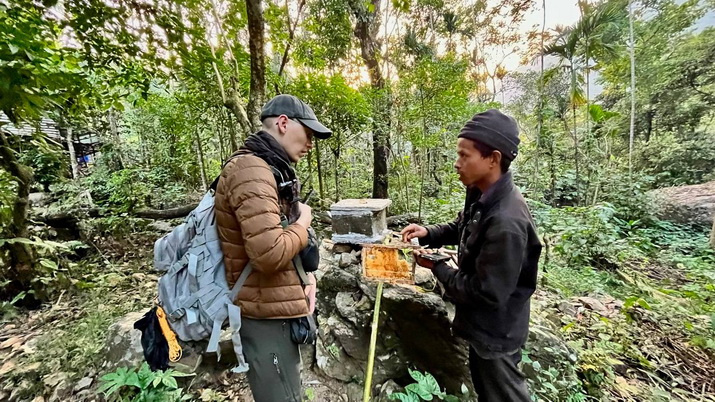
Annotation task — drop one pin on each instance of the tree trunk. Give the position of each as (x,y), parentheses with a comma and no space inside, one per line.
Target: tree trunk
(309,180)
(320,174)
(712,235)
(366,28)
(233,134)
(380,149)
(336,159)
(231,98)
(144,160)
(422,189)
(119,159)
(235,105)
(202,165)
(649,123)
(426,153)
(575,137)
(291,35)
(178,212)
(540,123)
(22,257)
(73,156)
(494,86)
(633,90)
(218,129)
(337,187)
(254,12)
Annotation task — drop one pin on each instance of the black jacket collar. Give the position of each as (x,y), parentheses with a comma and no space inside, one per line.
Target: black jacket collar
(484,201)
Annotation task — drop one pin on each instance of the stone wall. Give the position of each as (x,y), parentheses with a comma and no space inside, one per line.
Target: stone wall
(414,327)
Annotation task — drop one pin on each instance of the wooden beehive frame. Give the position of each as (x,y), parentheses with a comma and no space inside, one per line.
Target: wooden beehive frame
(383,263)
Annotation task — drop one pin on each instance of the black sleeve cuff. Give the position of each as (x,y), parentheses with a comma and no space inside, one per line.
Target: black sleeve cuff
(442,271)
(425,241)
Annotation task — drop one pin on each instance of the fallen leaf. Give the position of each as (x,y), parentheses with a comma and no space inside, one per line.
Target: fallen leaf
(54,379)
(11,342)
(9,365)
(28,348)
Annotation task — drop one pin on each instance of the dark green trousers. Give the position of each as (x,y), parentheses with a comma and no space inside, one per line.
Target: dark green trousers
(499,379)
(273,360)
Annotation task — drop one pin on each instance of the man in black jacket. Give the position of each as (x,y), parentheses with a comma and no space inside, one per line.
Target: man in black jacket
(498,257)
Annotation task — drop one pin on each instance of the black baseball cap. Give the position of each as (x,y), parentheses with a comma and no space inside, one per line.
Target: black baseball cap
(295,109)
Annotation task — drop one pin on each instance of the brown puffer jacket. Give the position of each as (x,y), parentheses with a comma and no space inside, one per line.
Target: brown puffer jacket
(248,216)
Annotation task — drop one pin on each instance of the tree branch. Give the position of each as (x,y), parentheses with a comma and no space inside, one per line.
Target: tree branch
(291,35)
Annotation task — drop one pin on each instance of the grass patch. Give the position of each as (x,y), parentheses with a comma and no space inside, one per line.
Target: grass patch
(571,282)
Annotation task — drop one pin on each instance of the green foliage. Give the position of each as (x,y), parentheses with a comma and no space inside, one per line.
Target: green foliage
(667,57)
(675,160)
(348,112)
(428,119)
(554,378)
(37,70)
(7,198)
(664,275)
(48,164)
(425,388)
(571,281)
(161,134)
(589,207)
(53,272)
(142,385)
(327,34)
(585,236)
(120,191)
(128,189)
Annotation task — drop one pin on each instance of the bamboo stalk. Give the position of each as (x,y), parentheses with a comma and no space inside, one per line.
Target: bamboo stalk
(373,342)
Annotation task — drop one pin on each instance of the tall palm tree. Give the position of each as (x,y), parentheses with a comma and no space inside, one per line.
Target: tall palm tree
(591,28)
(565,47)
(576,44)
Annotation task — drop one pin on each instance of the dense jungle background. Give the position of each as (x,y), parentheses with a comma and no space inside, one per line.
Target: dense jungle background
(117,114)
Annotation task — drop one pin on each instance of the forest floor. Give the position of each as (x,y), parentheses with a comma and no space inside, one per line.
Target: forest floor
(57,352)
(642,330)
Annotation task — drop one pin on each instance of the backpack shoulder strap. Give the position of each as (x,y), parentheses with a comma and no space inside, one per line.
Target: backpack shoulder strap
(298,263)
(240,281)
(305,282)
(233,314)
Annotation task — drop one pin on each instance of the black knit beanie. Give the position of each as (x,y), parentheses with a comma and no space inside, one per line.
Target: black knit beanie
(494,129)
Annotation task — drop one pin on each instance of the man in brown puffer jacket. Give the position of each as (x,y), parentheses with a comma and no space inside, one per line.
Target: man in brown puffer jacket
(250,205)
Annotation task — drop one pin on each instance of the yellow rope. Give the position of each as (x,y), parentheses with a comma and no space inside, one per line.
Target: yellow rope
(174,347)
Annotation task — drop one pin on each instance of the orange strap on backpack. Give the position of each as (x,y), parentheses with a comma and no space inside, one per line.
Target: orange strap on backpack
(174,347)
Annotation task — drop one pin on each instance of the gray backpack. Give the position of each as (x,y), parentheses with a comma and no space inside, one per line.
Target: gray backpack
(194,292)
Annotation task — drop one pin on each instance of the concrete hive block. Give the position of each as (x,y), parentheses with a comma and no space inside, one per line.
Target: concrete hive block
(359,221)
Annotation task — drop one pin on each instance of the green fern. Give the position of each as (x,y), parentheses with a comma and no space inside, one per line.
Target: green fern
(142,385)
(425,389)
